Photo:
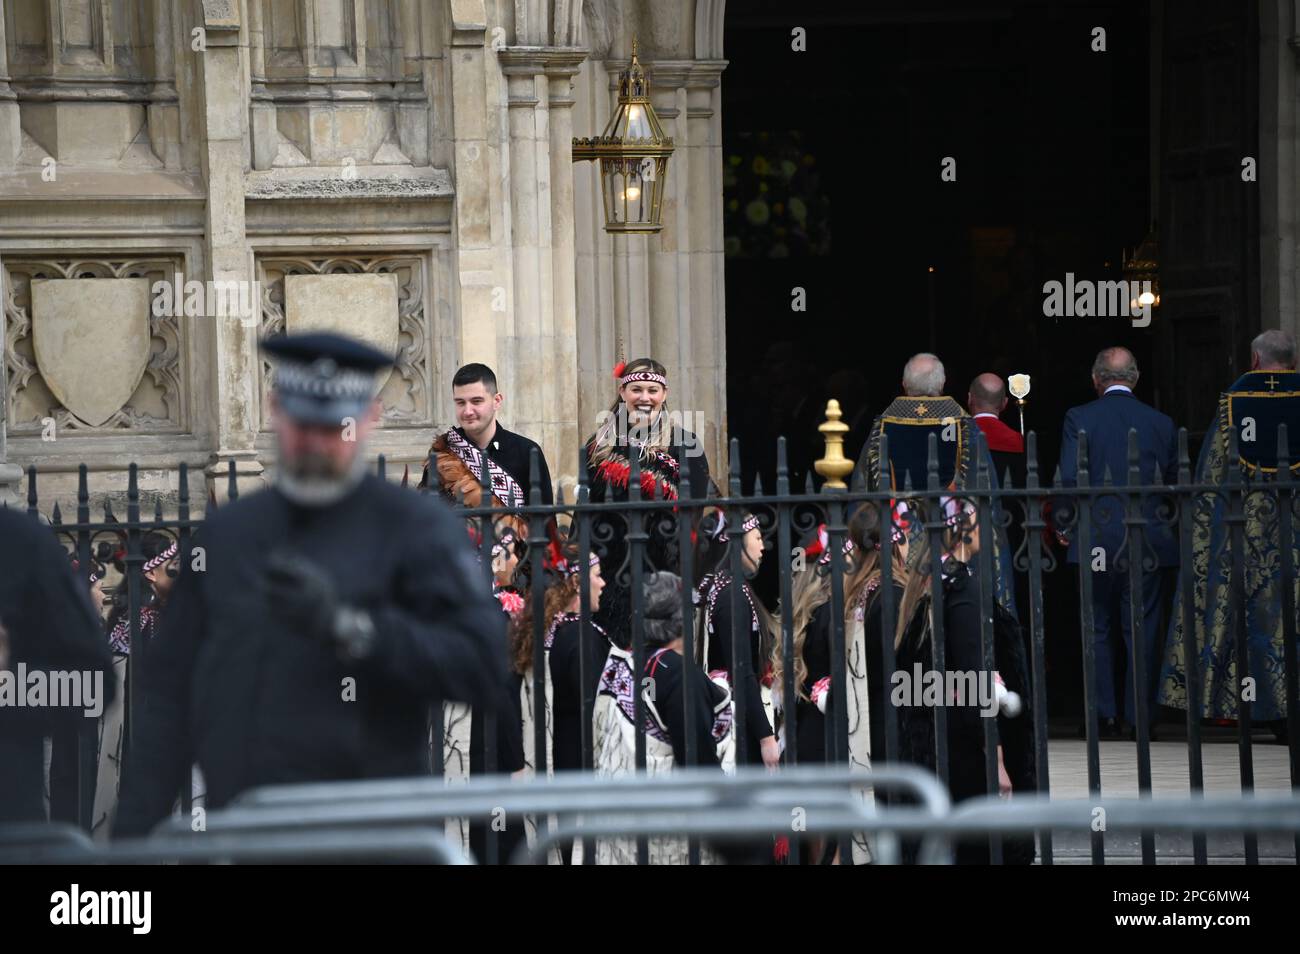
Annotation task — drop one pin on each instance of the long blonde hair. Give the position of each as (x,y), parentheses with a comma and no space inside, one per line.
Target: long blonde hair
(862,584)
(916,592)
(812,588)
(659,436)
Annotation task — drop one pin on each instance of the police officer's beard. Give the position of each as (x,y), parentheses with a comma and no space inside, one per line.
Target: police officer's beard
(312,481)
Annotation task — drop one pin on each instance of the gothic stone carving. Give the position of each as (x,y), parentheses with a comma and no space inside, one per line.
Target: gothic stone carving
(155,406)
(405,395)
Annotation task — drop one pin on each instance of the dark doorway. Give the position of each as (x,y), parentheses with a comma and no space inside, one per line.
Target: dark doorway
(1050,141)
(833,193)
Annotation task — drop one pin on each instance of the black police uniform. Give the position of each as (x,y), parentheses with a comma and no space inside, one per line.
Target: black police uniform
(311,644)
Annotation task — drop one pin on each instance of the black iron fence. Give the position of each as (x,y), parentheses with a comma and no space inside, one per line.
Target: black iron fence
(1004,538)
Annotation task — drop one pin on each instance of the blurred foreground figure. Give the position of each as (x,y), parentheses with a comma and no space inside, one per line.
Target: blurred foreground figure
(48,638)
(324,615)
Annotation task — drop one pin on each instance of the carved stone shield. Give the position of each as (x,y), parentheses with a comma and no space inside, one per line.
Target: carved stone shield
(360,306)
(91,338)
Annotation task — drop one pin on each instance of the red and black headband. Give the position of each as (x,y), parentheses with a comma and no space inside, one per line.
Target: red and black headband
(566,567)
(625,377)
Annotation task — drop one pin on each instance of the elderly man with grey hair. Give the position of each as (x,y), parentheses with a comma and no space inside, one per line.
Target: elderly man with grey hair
(1254,407)
(1107,423)
(922,411)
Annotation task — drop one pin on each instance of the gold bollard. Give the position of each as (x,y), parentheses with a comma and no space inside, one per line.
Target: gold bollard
(834,466)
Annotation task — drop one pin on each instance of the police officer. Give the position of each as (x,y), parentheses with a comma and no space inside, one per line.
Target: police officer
(324,616)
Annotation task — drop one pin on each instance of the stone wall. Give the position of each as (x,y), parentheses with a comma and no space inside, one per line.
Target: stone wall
(398,169)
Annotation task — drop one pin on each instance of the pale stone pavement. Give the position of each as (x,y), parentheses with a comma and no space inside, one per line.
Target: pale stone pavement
(1068,771)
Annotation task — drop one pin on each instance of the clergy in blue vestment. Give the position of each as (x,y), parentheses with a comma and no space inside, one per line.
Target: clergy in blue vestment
(909,421)
(1254,406)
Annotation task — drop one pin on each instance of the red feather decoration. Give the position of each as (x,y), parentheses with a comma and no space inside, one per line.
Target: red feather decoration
(554,556)
(781,848)
(619,369)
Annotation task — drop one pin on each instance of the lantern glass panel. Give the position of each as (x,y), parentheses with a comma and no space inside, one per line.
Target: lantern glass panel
(638,125)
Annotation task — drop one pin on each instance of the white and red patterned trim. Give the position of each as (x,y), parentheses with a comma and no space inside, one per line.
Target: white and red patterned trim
(560,620)
(720,583)
(504,487)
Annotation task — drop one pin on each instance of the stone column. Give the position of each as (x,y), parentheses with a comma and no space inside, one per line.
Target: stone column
(482,272)
(569,429)
(543,340)
(164,104)
(236,399)
(11,134)
(532,384)
(687,322)
(263,133)
(705,361)
(598,330)
(659,295)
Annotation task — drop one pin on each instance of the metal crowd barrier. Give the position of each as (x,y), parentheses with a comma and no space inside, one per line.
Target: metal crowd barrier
(67,845)
(972,820)
(398,820)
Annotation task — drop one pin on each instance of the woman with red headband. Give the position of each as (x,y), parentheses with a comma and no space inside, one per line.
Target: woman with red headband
(735,637)
(639,425)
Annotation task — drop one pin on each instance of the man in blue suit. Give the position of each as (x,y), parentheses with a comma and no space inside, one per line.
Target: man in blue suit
(1107,422)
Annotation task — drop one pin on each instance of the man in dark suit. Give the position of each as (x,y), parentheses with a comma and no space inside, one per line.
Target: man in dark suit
(1107,422)
(986,400)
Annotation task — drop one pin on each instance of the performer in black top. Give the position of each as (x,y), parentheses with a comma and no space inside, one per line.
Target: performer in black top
(963,654)
(639,423)
(506,552)
(161,567)
(563,654)
(570,668)
(332,609)
(667,680)
(747,674)
(478,452)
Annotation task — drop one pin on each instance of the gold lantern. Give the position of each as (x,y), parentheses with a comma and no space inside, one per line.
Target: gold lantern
(633,155)
(1144,266)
